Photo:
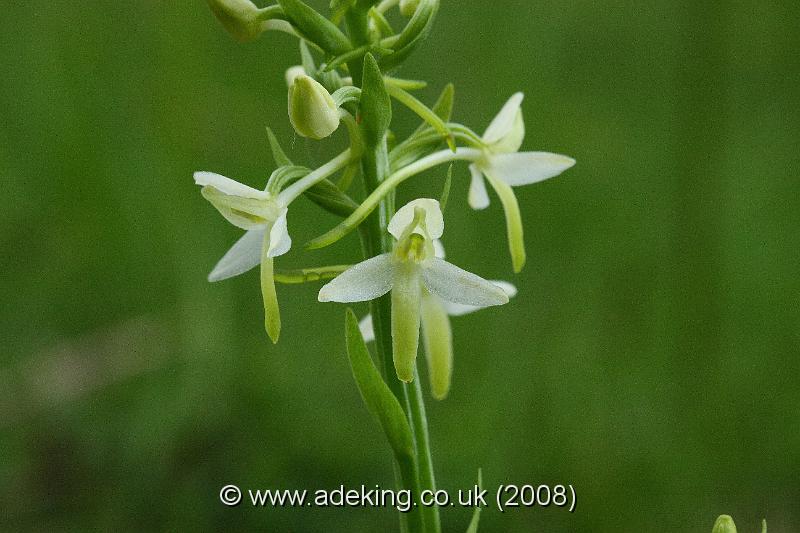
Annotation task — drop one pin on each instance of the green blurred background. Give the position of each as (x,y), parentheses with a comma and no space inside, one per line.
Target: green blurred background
(650,359)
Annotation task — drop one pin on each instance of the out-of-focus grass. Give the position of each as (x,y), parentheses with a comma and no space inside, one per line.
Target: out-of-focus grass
(650,359)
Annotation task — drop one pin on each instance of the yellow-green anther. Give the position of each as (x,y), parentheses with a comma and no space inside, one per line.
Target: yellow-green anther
(437,338)
(405,319)
(516,237)
(312,111)
(724,524)
(408,7)
(239,17)
(272,313)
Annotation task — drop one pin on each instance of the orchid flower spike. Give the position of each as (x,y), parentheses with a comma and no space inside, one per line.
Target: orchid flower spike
(437,337)
(262,214)
(504,167)
(409,271)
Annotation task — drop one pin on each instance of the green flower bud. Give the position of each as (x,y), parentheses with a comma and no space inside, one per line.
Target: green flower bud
(408,7)
(239,17)
(312,111)
(724,524)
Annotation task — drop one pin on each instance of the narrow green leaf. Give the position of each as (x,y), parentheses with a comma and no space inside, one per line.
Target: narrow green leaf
(476,514)
(763,525)
(278,155)
(376,105)
(446,191)
(379,399)
(316,27)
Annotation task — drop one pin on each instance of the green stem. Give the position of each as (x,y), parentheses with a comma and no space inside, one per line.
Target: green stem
(419,425)
(375,240)
(375,166)
(374,243)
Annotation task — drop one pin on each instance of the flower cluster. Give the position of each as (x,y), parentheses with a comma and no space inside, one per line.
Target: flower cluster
(403,257)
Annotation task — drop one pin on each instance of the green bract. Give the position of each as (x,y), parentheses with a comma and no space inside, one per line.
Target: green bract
(376,106)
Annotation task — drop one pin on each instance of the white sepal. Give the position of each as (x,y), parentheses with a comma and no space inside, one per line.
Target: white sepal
(454,309)
(365,281)
(228,186)
(459,286)
(525,168)
(243,256)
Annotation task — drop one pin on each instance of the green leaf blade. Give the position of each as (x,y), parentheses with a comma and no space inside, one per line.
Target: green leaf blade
(380,401)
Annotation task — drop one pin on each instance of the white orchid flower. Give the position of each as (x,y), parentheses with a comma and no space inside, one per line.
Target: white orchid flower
(437,335)
(504,167)
(410,272)
(262,214)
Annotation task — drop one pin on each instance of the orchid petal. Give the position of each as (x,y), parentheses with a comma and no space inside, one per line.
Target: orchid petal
(365,281)
(228,186)
(433,224)
(406,294)
(243,256)
(454,309)
(459,286)
(279,240)
(525,168)
(478,197)
(503,123)
(367,328)
(513,139)
(437,337)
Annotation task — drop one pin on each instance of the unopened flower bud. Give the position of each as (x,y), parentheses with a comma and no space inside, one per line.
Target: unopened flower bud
(724,524)
(292,73)
(239,17)
(312,111)
(408,7)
